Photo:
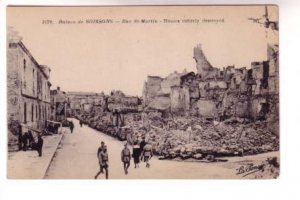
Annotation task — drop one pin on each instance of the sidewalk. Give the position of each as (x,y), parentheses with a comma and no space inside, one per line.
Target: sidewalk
(28,165)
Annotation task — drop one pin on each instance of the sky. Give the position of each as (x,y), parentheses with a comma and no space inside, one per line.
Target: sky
(117,56)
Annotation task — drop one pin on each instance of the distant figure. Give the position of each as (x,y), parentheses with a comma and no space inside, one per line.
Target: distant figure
(136,153)
(20,137)
(25,141)
(125,157)
(147,154)
(80,122)
(71,126)
(30,140)
(39,145)
(103,162)
(142,144)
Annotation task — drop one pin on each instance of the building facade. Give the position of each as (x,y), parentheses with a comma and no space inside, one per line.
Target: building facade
(28,88)
(59,105)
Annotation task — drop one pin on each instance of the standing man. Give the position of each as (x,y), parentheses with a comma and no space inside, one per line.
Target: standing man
(71,126)
(103,161)
(20,137)
(39,145)
(25,141)
(125,157)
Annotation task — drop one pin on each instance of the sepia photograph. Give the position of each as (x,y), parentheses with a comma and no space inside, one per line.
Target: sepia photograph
(143,92)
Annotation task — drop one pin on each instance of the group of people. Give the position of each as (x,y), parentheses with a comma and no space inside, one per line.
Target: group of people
(140,152)
(26,141)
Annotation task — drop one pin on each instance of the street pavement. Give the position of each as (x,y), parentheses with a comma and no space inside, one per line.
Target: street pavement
(76,158)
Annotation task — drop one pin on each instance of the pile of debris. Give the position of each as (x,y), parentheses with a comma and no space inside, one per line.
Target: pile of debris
(189,138)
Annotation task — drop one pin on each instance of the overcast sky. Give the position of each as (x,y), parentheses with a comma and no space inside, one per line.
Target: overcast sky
(103,57)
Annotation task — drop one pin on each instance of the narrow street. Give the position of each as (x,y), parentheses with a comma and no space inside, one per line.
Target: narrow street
(76,158)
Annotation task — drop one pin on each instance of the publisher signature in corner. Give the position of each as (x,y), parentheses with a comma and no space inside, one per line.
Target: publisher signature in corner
(249,169)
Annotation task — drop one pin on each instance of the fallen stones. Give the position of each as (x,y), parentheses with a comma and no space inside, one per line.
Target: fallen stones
(198,156)
(190,137)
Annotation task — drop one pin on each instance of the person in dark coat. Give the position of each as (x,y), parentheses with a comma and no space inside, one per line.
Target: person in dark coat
(20,137)
(25,141)
(136,153)
(39,145)
(71,126)
(142,144)
(30,140)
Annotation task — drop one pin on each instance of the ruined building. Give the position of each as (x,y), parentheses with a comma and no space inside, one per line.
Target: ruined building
(59,104)
(28,88)
(85,102)
(203,66)
(97,103)
(217,93)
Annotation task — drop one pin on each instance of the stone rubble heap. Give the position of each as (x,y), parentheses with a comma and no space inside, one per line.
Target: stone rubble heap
(183,138)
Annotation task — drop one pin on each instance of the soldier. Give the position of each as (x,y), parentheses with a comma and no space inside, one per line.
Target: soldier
(147,154)
(98,155)
(103,162)
(125,157)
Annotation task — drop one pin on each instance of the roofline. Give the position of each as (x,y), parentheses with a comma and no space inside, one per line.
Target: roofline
(20,43)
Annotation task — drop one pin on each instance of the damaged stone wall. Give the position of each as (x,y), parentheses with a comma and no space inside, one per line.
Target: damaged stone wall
(13,91)
(151,89)
(203,65)
(222,94)
(207,108)
(180,99)
(170,81)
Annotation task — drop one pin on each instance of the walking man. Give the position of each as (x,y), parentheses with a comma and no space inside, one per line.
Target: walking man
(147,154)
(103,161)
(125,157)
(98,155)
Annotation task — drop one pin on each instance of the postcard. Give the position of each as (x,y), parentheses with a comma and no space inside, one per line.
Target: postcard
(143,92)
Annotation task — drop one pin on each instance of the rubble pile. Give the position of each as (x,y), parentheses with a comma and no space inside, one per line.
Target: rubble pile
(204,138)
(191,137)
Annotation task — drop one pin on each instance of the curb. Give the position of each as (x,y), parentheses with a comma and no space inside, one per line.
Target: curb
(44,171)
